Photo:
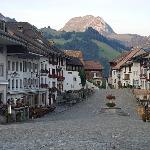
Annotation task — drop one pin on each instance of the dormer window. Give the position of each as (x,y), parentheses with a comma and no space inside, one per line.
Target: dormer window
(20,28)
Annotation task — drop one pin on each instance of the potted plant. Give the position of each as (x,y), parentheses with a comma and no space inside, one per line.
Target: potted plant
(111,100)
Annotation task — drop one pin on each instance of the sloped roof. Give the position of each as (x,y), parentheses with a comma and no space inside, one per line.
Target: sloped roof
(120,57)
(134,52)
(74,61)
(92,65)
(74,53)
(31,35)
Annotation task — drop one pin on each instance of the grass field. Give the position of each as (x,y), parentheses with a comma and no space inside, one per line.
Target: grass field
(106,50)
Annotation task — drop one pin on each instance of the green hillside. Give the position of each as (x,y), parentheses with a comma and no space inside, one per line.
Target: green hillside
(106,50)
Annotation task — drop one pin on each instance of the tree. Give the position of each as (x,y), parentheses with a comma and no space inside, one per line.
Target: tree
(82,77)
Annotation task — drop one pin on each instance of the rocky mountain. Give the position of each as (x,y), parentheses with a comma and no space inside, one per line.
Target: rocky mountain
(80,24)
(7,19)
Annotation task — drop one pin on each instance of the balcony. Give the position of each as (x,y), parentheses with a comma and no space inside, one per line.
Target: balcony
(44,71)
(60,78)
(58,69)
(44,86)
(148,80)
(52,75)
(53,89)
(53,62)
(143,76)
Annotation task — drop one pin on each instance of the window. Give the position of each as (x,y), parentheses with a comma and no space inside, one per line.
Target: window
(45,81)
(17,84)
(25,82)
(37,82)
(1,97)
(21,83)
(24,66)
(20,66)
(62,62)
(53,84)
(125,69)
(95,74)
(1,70)
(41,80)
(74,68)
(74,79)
(42,66)
(16,66)
(45,66)
(29,64)
(36,67)
(8,65)
(9,84)
(114,72)
(129,68)
(13,84)
(13,66)
(33,67)
(53,71)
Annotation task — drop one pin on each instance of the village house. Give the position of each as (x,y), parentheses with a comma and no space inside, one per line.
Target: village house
(124,71)
(74,63)
(31,68)
(5,40)
(93,70)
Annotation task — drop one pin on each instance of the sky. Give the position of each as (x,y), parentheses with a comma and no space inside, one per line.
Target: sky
(124,16)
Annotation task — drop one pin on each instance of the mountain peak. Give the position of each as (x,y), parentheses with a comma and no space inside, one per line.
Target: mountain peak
(80,24)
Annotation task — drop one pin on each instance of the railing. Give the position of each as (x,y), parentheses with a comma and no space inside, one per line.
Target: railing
(44,71)
(143,76)
(52,75)
(53,63)
(60,78)
(53,89)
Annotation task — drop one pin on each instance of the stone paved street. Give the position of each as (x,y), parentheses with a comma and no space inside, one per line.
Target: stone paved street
(82,127)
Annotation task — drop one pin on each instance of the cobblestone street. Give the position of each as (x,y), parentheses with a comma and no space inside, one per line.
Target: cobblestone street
(82,127)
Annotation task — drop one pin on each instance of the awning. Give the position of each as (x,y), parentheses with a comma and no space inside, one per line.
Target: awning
(33,92)
(13,92)
(42,90)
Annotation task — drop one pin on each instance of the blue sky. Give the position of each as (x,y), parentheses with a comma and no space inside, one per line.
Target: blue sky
(124,16)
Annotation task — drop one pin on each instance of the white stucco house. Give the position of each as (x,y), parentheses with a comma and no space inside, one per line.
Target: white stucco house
(124,71)
(3,79)
(73,81)
(31,70)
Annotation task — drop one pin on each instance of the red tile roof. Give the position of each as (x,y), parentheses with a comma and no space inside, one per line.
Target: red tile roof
(127,56)
(92,65)
(74,53)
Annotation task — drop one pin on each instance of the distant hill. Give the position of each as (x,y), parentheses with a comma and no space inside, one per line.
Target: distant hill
(93,45)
